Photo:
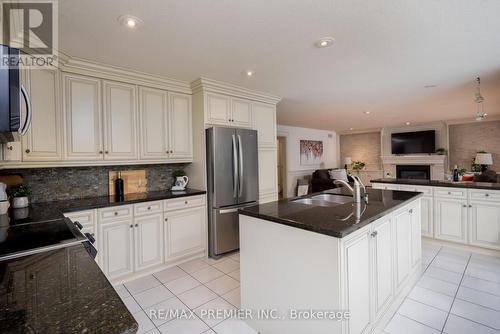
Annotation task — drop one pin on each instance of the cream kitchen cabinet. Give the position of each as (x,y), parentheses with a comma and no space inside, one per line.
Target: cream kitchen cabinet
(484,224)
(268,177)
(264,121)
(117,248)
(154,123)
(228,111)
(241,113)
(450,219)
(149,241)
(82,118)
(402,233)
(43,141)
(357,255)
(165,123)
(180,128)
(185,232)
(382,248)
(119,115)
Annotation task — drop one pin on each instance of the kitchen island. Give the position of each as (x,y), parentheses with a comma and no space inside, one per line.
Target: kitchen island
(349,263)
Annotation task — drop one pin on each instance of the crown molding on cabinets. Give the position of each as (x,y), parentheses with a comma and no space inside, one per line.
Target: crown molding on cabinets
(109,72)
(214,86)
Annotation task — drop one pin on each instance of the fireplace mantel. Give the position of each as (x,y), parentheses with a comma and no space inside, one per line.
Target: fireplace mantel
(436,162)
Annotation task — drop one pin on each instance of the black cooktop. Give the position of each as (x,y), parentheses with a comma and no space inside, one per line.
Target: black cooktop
(25,239)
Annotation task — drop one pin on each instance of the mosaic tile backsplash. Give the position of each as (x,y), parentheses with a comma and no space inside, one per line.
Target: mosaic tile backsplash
(54,184)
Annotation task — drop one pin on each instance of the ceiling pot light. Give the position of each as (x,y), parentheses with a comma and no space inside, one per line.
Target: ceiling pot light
(130,21)
(367,112)
(407,123)
(325,42)
(249,73)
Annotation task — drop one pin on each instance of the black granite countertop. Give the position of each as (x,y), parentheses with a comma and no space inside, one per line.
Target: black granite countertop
(437,183)
(60,291)
(337,221)
(45,211)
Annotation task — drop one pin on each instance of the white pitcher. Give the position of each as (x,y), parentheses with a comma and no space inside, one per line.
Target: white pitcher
(4,199)
(181,181)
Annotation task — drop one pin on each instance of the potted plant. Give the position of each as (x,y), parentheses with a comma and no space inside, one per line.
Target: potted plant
(358,165)
(19,194)
(181,179)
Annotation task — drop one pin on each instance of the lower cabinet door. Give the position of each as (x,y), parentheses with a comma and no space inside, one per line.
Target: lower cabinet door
(416,233)
(117,245)
(148,241)
(357,278)
(382,265)
(427,214)
(450,219)
(402,228)
(485,224)
(185,232)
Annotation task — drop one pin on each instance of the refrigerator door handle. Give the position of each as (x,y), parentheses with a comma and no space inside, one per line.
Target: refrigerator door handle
(235,168)
(240,147)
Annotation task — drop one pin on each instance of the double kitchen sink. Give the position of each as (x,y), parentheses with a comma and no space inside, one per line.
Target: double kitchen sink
(326,199)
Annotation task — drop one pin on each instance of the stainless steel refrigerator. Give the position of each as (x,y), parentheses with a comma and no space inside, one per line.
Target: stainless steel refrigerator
(232,183)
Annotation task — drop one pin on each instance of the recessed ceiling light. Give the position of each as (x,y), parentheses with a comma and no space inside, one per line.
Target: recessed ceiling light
(130,21)
(367,112)
(407,123)
(351,129)
(325,42)
(249,73)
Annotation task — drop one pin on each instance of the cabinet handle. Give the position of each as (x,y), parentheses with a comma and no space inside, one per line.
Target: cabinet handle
(172,151)
(106,152)
(449,192)
(186,202)
(470,205)
(166,219)
(10,148)
(487,195)
(410,211)
(100,152)
(116,213)
(136,225)
(149,208)
(464,205)
(374,234)
(27,150)
(131,226)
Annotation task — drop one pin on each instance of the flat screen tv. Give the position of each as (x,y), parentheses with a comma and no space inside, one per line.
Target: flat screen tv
(414,142)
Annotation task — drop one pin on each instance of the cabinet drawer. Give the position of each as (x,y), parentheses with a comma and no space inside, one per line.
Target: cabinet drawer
(115,212)
(86,218)
(183,203)
(385,186)
(421,189)
(484,195)
(450,192)
(147,208)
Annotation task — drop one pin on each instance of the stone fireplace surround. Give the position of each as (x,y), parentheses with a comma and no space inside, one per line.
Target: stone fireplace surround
(436,163)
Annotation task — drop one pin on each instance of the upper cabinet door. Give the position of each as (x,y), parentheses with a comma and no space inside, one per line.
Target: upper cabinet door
(180,143)
(218,109)
(120,121)
(241,113)
(82,103)
(153,123)
(43,140)
(264,121)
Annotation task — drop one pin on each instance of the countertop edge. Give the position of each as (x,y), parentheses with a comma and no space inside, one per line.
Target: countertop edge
(437,183)
(299,225)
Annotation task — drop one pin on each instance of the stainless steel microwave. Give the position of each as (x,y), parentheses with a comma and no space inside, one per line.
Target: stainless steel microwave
(12,93)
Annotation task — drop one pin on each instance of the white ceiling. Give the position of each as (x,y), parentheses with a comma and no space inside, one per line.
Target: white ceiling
(385,52)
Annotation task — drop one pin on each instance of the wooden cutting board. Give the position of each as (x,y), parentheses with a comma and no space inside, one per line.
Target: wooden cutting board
(134,181)
(11,180)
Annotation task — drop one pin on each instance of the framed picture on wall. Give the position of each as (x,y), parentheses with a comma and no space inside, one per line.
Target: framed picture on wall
(311,152)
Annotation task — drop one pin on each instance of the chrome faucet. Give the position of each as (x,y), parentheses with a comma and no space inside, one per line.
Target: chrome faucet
(356,190)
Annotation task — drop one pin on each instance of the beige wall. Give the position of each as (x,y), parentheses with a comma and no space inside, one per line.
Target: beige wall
(364,147)
(467,139)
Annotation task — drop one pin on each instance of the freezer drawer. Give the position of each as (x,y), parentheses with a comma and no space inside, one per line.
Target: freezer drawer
(224,231)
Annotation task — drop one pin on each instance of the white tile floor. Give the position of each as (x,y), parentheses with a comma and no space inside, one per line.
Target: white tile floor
(195,287)
(458,293)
